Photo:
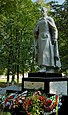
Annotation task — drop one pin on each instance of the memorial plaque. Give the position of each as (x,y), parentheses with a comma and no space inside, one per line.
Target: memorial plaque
(59,87)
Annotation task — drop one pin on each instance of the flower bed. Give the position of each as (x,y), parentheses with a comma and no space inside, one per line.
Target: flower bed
(30,103)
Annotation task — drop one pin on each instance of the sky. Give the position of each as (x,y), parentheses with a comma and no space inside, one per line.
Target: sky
(59,1)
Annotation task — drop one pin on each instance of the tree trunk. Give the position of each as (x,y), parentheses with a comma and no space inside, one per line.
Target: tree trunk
(13,74)
(17,74)
(8,71)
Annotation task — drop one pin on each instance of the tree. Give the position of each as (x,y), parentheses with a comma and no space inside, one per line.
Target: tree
(16,38)
(60,13)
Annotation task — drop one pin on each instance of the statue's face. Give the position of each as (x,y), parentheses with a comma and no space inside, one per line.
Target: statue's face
(44,12)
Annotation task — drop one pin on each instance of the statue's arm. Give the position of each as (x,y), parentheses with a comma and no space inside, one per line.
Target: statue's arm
(53,28)
(36,32)
(54,37)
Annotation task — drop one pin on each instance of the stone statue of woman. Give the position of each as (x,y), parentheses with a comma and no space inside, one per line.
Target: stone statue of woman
(46,44)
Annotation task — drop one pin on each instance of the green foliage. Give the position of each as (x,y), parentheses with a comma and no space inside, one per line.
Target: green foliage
(36,110)
(17,20)
(60,13)
(1,71)
(16,33)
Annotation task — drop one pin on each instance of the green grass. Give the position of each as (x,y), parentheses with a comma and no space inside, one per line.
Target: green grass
(3,80)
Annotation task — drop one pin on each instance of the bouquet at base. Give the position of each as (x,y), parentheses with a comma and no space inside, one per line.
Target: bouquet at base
(31,103)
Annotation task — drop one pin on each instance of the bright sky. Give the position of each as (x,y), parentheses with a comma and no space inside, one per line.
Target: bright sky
(59,1)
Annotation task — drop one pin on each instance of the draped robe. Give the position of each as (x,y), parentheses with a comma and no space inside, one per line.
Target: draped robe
(46,44)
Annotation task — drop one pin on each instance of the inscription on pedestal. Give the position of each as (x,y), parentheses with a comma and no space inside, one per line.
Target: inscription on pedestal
(58,87)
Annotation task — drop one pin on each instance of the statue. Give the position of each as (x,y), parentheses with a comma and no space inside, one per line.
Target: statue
(46,44)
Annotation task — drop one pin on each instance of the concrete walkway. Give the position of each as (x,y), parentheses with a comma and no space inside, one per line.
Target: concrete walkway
(14,88)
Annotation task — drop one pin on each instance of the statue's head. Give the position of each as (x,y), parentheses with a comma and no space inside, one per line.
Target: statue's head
(44,11)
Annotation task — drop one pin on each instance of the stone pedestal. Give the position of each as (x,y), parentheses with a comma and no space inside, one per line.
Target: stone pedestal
(59,87)
(47,78)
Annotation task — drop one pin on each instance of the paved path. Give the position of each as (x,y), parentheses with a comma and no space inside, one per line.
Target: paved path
(14,87)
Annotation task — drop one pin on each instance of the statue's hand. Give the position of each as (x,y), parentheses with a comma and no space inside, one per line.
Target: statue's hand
(56,58)
(36,57)
(53,42)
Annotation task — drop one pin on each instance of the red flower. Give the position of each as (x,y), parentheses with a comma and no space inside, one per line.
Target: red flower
(48,102)
(19,102)
(27,103)
(42,98)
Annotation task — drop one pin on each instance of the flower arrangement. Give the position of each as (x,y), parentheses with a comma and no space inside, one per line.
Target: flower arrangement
(31,103)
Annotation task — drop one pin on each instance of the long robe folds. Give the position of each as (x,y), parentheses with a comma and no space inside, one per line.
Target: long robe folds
(45,43)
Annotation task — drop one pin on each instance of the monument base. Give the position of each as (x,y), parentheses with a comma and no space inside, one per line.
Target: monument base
(54,84)
(47,78)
